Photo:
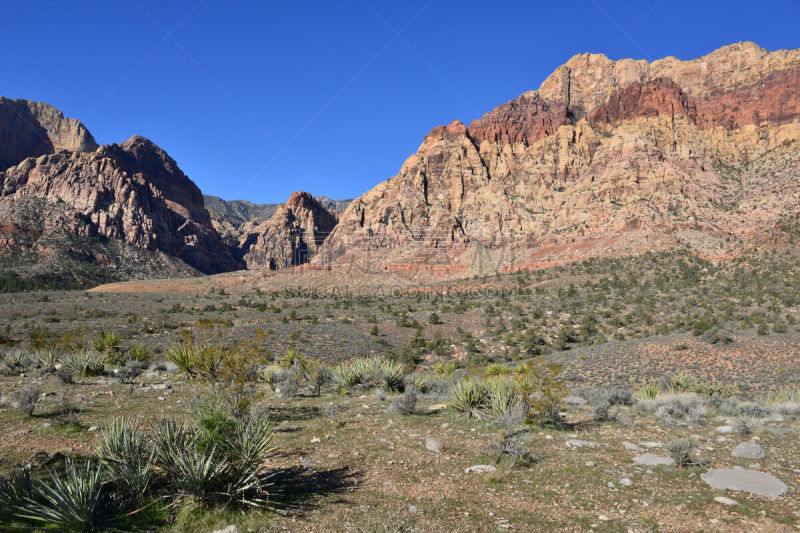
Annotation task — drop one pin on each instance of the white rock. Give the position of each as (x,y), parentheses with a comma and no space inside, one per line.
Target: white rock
(649,459)
(479,469)
(726,501)
(433,445)
(751,481)
(577,443)
(748,450)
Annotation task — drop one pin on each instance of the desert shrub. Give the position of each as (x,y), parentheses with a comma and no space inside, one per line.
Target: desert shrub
(513,418)
(539,384)
(420,382)
(331,412)
(468,397)
(497,370)
(406,404)
(729,407)
(26,399)
(676,408)
(510,450)
(434,319)
(753,409)
(70,500)
(681,451)
(319,376)
(67,412)
(84,362)
(619,397)
(285,382)
(132,370)
(65,374)
(744,426)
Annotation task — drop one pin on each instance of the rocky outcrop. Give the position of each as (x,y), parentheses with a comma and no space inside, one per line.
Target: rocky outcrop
(31,129)
(132,192)
(606,157)
(291,236)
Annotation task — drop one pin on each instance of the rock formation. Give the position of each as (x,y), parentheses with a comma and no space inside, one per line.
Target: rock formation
(291,236)
(132,192)
(606,157)
(31,129)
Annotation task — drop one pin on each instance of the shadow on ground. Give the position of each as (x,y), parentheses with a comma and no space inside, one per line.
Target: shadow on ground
(298,489)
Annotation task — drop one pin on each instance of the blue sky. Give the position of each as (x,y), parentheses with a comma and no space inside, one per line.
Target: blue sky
(258,99)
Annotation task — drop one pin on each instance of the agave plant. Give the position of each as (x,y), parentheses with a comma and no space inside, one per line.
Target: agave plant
(109,344)
(185,356)
(468,397)
(71,500)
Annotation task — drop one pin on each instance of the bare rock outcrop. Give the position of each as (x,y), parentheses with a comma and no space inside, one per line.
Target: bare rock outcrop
(31,129)
(132,192)
(607,157)
(291,236)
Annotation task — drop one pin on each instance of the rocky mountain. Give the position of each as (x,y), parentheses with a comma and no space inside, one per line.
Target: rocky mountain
(126,209)
(605,157)
(291,236)
(31,129)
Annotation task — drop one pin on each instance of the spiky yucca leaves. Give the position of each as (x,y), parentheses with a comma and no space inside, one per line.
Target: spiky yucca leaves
(346,376)
(128,458)
(15,490)
(139,352)
(13,361)
(46,360)
(420,382)
(70,500)
(468,397)
(318,376)
(184,355)
(390,374)
(501,397)
(648,392)
(247,448)
(683,382)
(196,360)
(84,362)
(109,344)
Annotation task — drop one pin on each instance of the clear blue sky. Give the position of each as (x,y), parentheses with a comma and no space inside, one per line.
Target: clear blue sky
(331,82)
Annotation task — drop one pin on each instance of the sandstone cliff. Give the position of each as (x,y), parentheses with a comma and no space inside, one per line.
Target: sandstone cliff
(31,129)
(606,157)
(291,236)
(132,192)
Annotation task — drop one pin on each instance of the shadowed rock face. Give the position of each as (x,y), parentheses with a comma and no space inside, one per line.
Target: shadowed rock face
(132,192)
(31,129)
(607,157)
(291,236)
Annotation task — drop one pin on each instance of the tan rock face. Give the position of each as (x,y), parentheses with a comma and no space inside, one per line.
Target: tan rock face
(31,129)
(291,236)
(607,157)
(133,192)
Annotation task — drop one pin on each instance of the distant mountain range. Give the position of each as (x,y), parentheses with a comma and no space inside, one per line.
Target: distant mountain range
(605,158)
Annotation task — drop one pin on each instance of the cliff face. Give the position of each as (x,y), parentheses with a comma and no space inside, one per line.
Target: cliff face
(606,157)
(291,236)
(132,192)
(31,129)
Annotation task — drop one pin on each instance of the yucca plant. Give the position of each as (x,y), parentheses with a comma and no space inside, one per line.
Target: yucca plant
(14,361)
(109,344)
(501,397)
(789,393)
(46,360)
(185,356)
(683,382)
(650,391)
(346,376)
(139,352)
(70,500)
(84,362)
(389,375)
(15,490)
(247,448)
(468,397)
(127,457)
(420,382)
